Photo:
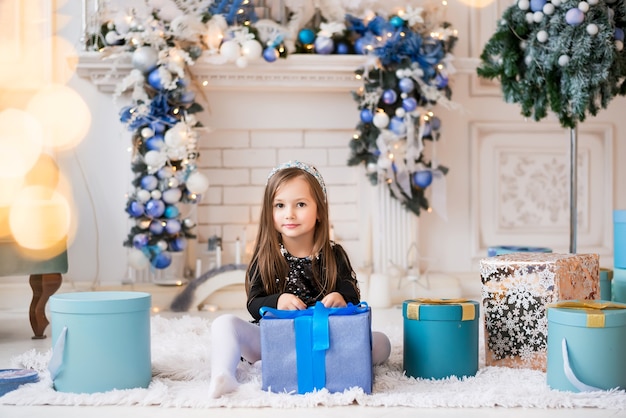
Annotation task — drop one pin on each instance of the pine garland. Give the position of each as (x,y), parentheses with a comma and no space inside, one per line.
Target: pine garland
(545,62)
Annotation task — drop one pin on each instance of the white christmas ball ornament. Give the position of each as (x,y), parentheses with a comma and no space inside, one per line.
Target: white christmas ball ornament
(172,196)
(619,45)
(523,45)
(592,2)
(381,120)
(556,3)
(145,58)
(372,167)
(400,112)
(542,36)
(523,4)
(548,9)
(592,29)
(563,60)
(137,259)
(583,6)
(143,195)
(155,159)
(528,60)
(530,17)
(252,49)
(197,183)
(162,245)
(173,138)
(537,17)
(112,37)
(156,194)
(147,133)
(230,50)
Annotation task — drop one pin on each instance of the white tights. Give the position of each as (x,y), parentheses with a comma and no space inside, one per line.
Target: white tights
(233,338)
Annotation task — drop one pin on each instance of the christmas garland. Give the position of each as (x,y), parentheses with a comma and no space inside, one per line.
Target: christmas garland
(166,37)
(409,76)
(559,56)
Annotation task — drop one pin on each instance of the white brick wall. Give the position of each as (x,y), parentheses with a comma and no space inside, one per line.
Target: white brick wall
(237,163)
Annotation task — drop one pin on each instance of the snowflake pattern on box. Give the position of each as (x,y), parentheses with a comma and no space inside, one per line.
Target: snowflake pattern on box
(516,289)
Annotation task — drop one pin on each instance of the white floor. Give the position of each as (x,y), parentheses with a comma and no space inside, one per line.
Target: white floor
(15,338)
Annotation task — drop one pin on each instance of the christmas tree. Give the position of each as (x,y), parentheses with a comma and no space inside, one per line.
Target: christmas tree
(558,55)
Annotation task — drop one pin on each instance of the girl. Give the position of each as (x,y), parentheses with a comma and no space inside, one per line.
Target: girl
(294,264)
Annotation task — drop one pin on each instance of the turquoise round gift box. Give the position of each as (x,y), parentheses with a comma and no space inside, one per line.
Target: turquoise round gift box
(101,341)
(619,238)
(440,338)
(508,249)
(593,343)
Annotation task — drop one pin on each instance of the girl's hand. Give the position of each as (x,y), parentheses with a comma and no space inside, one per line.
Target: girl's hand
(289,302)
(334,300)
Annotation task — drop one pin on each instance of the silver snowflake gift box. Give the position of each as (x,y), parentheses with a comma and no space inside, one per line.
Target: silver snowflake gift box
(516,290)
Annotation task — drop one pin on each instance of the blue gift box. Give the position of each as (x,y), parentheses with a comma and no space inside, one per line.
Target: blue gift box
(440,338)
(606,280)
(585,345)
(618,285)
(316,348)
(11,379)
(619,238)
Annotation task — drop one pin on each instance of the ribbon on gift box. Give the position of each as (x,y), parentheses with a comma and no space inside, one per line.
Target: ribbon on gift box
(593,308)
(312,339)
(468,312)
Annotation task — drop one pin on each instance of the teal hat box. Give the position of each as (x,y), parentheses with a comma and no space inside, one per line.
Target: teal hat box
(585,345)
(619,239)
(606,279)
(618,285)
(101,341)
(440,338)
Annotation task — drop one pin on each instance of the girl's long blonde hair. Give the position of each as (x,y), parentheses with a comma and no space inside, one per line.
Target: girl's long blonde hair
(267,260)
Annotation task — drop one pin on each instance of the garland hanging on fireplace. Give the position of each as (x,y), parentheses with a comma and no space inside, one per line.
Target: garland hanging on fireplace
(164,38)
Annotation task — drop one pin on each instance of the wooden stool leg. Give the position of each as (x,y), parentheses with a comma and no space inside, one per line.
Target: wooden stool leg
(44,286)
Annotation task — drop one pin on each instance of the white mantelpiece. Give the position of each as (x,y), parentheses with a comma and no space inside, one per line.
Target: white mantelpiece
(303,72)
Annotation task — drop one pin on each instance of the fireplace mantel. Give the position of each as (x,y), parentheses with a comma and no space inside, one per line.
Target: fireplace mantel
(302,72)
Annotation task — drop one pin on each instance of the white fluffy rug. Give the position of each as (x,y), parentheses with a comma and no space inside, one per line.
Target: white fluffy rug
(180,363)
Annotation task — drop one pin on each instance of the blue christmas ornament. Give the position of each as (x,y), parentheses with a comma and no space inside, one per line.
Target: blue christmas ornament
(306,36)
(171,211)
(397,126)
(423,178)
(409,104)
(188,97)
(149,182)
(441,81)
(619,34)
(390,96)
(537,5)
(178,244)
(140,241)
(155,143)
(360,46)
(135,209)
(427,129)
(125,114)
(154,79)
(162,260)
(406,85)
(367,116)
(396,21)
(342,48)
(155,208)
(435,123)
(324,45)
(156,227)
(172,226)
(574,17)
(270,54)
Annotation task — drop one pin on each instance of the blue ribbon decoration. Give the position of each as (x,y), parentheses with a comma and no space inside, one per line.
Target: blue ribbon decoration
(312,339)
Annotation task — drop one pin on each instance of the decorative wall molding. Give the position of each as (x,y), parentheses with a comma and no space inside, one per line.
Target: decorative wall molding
(520,186)
(301,71)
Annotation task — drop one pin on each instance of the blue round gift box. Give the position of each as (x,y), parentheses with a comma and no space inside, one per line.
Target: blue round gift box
(619,238)
(439,344)
(106,341)
(11,379)
(508,249)
(595,354)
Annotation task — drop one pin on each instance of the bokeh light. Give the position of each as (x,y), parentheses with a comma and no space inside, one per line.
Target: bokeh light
(63,113)
(21,142)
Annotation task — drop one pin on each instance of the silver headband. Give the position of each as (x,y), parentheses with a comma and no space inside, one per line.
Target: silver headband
(304,167)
